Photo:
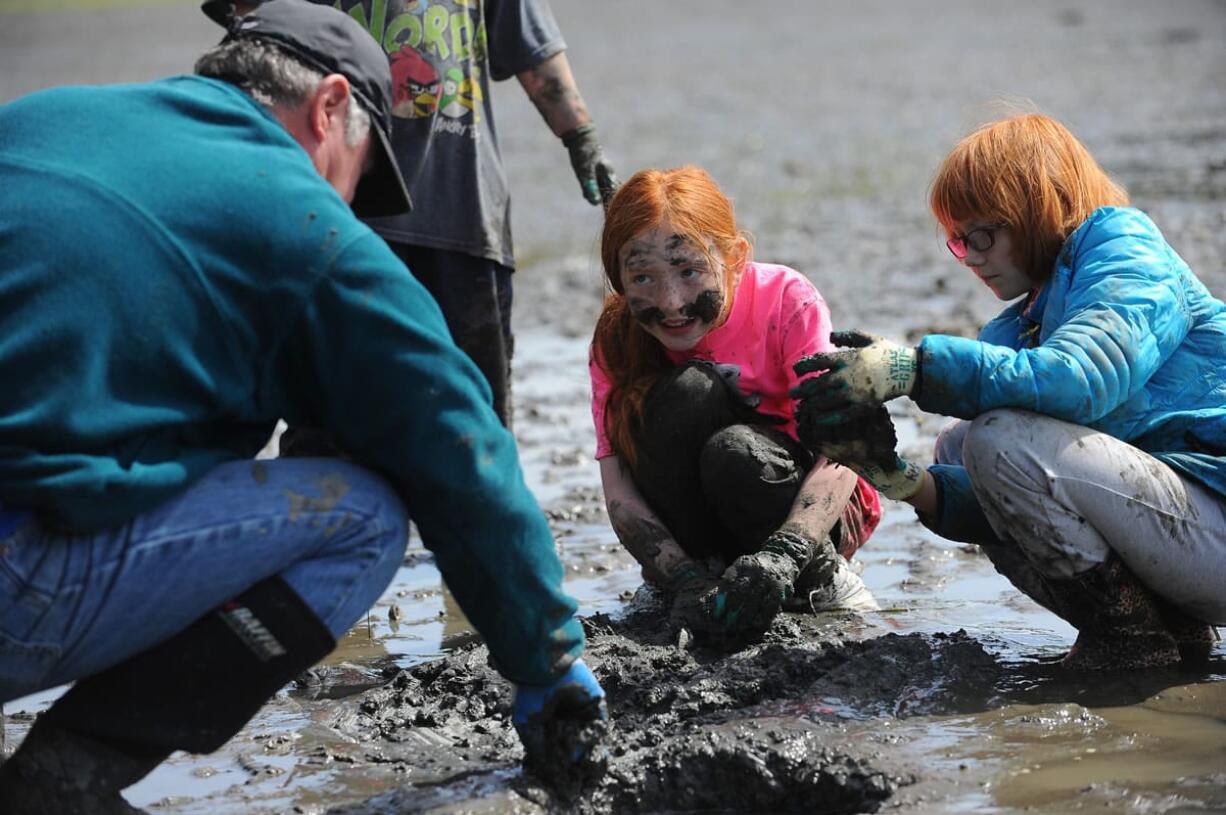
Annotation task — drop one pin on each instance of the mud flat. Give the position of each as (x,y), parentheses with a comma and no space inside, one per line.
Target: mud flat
(762,728)
(824,121)
(807,719)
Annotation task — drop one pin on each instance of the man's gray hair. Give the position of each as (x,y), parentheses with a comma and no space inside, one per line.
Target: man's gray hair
(273,77)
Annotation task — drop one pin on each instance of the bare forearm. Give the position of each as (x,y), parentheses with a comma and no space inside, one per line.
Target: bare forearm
(638,528)
(925,500)
(647,541)
(820,501)
(551,87)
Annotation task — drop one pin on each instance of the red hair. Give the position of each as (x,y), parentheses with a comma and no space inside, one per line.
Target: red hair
(693,205)
(1029,173)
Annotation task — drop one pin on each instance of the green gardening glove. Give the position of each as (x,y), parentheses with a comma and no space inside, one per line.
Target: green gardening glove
(872,371)
(862,439)
(754,588)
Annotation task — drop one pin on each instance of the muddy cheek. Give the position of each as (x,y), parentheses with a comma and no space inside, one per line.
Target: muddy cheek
(706,307)
(649,315)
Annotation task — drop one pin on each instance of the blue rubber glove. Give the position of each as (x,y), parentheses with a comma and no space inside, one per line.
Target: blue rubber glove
(554,721)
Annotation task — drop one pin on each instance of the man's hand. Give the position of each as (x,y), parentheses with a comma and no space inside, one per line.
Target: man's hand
(875,370)
(596,176)
(861,439)
(558,723)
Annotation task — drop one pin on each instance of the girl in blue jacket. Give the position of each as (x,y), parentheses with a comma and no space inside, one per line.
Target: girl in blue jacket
(1090,459)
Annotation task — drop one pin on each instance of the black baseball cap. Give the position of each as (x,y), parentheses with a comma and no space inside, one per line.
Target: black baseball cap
(331,41)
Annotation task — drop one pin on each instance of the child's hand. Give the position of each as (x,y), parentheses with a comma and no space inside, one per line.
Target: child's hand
(873,371)
(754,588)
(861,439)
(750,593)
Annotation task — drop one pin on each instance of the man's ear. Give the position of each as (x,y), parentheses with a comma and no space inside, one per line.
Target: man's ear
(329,105)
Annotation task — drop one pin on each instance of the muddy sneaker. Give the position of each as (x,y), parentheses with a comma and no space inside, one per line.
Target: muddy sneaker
(844,592)
(1118,624)
(1194,638)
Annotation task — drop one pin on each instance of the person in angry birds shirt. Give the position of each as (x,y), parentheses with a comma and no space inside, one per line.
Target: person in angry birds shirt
(457,239)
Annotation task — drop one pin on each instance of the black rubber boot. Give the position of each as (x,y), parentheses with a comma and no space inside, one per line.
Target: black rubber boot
(1119,626)
(192,692)
(58,771)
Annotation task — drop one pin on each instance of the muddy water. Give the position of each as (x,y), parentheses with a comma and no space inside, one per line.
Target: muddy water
(824,121)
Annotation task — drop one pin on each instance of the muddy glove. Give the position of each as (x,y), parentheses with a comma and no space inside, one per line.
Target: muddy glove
(692,586)
(596,177)
(754,588)
(558,723)
(875,370)
(861,439)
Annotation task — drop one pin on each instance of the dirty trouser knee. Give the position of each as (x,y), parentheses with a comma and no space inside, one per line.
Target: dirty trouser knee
(681,413)
(750,478)
(74,605)
(1009,559)
(475,296)
(1070,496)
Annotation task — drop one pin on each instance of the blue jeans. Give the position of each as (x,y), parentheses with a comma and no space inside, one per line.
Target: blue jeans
(72,605)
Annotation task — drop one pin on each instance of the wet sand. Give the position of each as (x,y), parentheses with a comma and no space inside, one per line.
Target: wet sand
(824,121)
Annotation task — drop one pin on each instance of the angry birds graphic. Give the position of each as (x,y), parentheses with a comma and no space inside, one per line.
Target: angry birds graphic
(461,95)
(415,85)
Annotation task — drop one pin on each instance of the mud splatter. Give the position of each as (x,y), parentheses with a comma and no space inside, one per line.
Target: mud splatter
(331,489)
(706,306)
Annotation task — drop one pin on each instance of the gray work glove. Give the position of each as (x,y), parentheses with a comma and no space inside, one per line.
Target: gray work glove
(872,371)
(754,588)
(861,438)
(595,174)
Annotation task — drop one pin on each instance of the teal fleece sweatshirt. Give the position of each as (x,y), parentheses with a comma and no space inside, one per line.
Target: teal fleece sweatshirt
(175,276)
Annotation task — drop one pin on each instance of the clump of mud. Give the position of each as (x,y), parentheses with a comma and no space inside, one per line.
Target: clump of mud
(692,726)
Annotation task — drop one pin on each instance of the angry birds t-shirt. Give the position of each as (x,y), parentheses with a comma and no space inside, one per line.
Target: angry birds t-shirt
(443,55)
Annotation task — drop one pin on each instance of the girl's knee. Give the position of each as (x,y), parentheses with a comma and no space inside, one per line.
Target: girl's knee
(688,386)
(741,455)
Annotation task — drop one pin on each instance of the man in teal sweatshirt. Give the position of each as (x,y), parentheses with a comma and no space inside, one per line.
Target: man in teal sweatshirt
(180,267)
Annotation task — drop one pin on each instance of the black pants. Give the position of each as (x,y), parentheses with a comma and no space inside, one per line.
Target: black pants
(475,296)
(718,474)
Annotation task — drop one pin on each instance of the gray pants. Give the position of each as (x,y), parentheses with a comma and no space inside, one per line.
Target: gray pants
(1067,496)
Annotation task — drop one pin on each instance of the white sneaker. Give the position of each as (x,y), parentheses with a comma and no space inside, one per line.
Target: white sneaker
(845,592)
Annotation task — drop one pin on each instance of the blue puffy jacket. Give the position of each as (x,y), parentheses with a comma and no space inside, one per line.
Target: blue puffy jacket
(1129,342)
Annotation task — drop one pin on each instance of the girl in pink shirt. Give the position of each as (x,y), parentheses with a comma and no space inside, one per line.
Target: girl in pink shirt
(691,370)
